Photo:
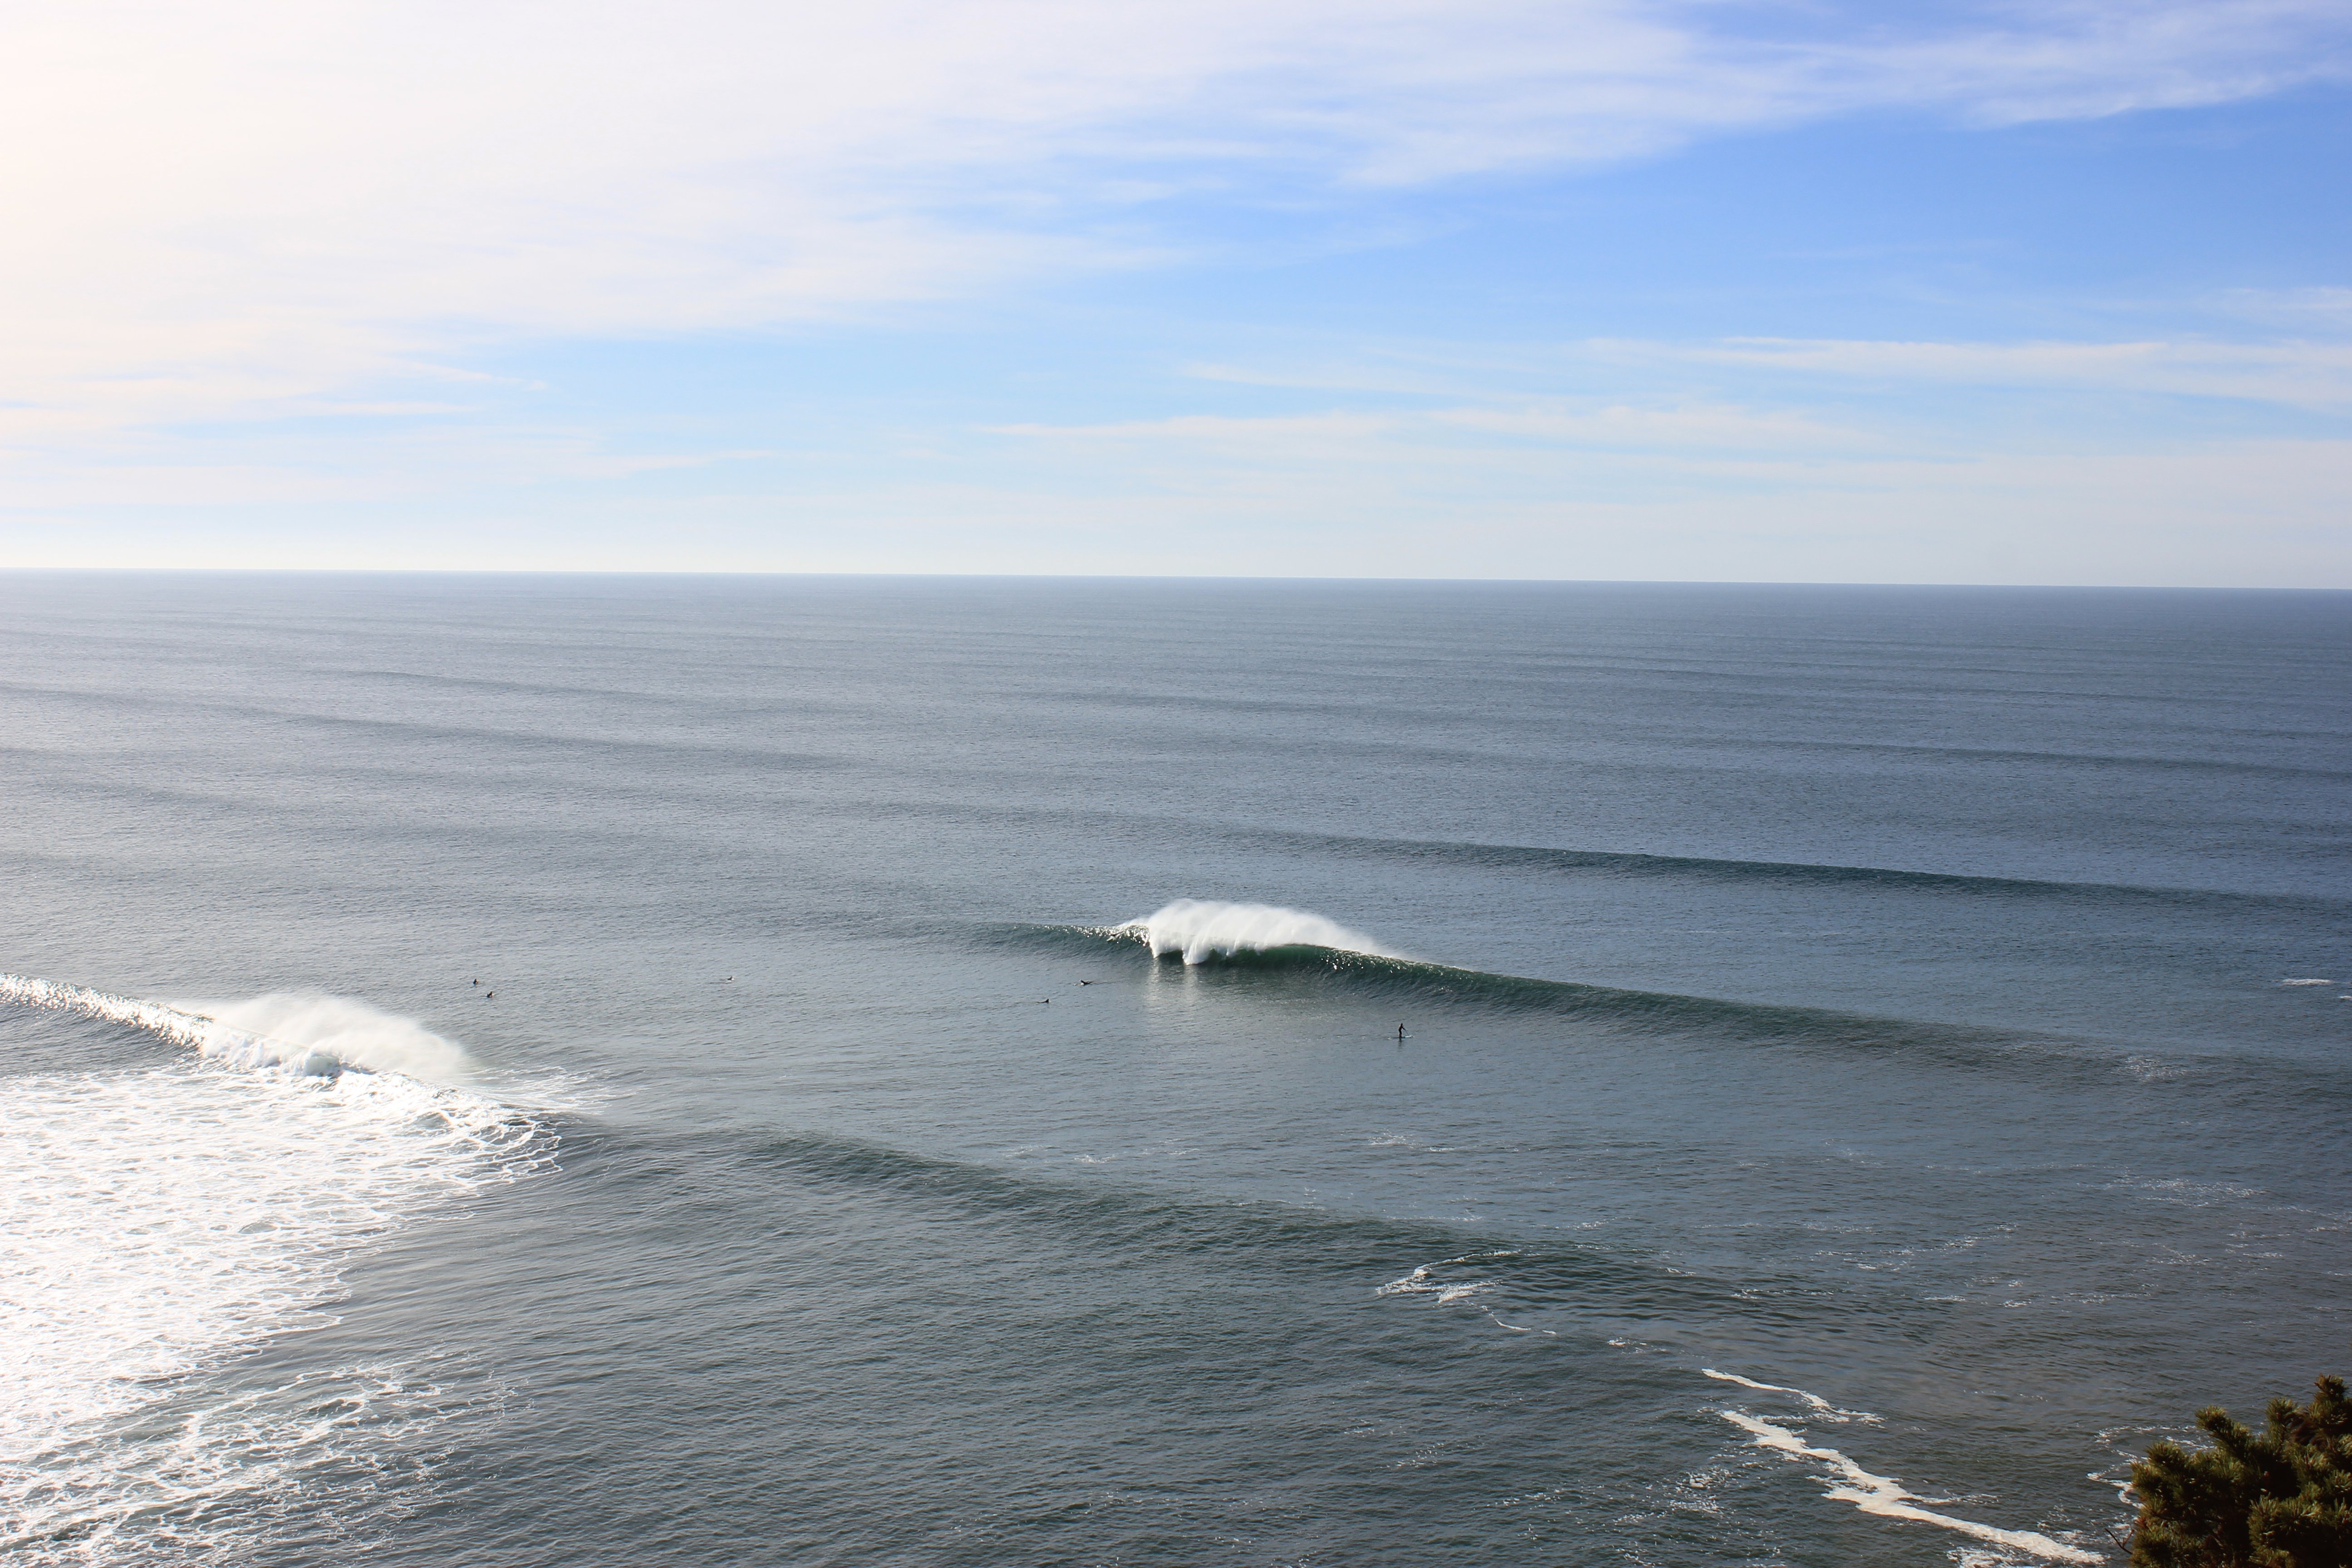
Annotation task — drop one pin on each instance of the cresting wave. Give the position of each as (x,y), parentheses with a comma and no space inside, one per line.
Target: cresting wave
(306,1034)
(1280,945)
(1880,1495)
(154,1222)
(1202,930)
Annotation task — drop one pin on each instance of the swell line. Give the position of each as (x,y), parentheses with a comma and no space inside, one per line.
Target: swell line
(1141,1224)
(1794,873)
(1407,980)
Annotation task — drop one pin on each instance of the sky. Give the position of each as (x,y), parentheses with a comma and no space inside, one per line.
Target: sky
(2056,292)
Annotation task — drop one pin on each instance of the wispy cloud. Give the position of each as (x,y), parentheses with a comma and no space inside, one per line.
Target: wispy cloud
(230,209)
(1366,437)
(1823,471)
(1686,427)
(2312,370)
(2299,373)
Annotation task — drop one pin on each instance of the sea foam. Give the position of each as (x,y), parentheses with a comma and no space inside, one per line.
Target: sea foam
(1884,1496)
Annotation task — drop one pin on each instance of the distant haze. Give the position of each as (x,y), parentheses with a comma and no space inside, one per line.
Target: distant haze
(1947,293)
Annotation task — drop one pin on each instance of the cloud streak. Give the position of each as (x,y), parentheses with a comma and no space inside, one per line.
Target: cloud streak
(2295,373)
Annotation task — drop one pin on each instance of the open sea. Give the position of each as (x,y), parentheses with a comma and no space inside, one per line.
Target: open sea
(610,1072)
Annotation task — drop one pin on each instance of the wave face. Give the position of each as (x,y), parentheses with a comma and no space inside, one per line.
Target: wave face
(1283,954)
(155,1223)
(1204,930)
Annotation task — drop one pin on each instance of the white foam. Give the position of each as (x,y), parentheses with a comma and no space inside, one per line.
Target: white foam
(1422,1282)
(351,1032)
(1815,1400)
(154,1222)
(2307,982)
(300,1032)
(1202,929)
(1884,1496)
(304,1033)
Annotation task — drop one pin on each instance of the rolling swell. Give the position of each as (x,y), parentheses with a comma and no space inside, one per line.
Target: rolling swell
(1608,863)
(1344,973)
(1797,874)
(1165,1228)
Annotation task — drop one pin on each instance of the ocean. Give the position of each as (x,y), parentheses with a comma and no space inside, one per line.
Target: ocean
(586,1070)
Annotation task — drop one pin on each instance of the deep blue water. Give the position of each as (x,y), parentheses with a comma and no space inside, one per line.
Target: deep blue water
(1879,995)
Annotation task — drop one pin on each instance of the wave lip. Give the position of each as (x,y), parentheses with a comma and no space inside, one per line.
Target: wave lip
(1202,930)
(346,1031)
(307,1034)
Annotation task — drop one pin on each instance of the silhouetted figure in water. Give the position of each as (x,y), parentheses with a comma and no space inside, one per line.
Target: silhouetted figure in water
(1085,983)
(488,994)
(478,984)
(1399,1034)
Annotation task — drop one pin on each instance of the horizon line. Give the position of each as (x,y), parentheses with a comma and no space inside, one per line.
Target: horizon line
(679,573)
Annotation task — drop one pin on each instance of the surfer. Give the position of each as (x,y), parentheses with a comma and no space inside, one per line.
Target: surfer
(1399,1034)
(488,994)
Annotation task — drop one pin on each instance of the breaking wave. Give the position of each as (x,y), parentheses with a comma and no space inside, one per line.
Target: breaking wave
(1202,930)
(1280,947)
(306,1033)
(158,1222)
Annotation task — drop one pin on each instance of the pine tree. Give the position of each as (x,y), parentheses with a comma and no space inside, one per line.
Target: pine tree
(2279,1499)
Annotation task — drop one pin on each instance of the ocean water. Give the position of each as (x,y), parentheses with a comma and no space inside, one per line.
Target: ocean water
(584,1070)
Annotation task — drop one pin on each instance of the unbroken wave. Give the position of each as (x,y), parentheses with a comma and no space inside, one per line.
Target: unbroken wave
(1368,972)
(1889,879)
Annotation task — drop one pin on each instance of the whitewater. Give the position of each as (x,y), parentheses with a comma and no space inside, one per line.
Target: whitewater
(154,1222)
(1202,930)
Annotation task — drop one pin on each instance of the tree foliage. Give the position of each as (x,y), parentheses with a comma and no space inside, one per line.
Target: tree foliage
(2279,1499)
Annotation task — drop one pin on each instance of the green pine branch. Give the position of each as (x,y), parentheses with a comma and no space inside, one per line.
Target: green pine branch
(2279,1499)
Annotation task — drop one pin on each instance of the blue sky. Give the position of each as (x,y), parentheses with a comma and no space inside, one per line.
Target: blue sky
(1714,291)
